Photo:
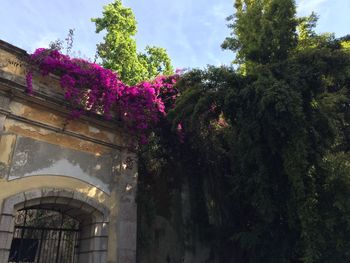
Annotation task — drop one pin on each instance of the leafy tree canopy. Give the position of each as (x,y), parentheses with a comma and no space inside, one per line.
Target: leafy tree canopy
(263,31)
(266,147)
(118,51)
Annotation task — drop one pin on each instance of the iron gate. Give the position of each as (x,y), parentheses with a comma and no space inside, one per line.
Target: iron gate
(44,236)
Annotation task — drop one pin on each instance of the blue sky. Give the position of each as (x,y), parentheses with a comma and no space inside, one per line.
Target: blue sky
(191,30)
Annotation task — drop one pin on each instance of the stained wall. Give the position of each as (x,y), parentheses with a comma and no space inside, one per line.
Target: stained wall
(42,148)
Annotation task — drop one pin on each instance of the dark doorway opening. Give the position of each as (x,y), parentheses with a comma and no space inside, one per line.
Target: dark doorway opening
(44,235)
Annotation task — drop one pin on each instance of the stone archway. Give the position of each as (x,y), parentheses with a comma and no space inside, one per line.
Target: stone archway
(92,215)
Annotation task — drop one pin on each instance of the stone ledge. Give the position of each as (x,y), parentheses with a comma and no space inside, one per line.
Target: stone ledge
(12,49)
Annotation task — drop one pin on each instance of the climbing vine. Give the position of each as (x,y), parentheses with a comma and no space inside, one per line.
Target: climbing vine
(89,87)
(266,149)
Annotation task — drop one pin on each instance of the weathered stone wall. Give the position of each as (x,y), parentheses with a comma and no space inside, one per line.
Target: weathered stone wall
(41,148)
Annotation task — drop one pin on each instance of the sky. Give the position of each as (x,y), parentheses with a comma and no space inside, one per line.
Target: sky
(191,30)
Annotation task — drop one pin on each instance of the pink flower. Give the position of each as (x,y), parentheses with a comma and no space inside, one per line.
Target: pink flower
(90,87)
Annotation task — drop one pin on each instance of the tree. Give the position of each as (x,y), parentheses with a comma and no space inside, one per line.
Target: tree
(272,144)
(263,31)
(118,51)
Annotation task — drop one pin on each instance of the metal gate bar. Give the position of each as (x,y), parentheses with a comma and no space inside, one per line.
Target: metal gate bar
(53,245)
(37,244)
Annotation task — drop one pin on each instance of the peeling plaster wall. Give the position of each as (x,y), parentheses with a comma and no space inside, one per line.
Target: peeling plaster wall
(40,147)
(32,157)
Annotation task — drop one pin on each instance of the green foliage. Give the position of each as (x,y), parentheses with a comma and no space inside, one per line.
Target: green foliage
(118,51)
(308,38)
(345,44)
(278,160)
(306,32)
(272,144)
(333,207)
(263,31)
(266,147)
(156,61)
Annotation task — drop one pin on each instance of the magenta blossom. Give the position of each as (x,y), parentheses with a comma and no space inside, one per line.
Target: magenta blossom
(92,88)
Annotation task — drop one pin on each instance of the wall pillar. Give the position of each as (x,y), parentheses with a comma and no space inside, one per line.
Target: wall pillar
(4,106)
(125,209)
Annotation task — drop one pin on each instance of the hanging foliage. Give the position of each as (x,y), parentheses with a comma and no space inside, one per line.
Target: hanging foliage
(91,88)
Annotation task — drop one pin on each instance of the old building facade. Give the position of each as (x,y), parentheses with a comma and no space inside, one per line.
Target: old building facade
(54,170)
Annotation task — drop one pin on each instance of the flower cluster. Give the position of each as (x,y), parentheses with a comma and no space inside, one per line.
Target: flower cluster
(92,88)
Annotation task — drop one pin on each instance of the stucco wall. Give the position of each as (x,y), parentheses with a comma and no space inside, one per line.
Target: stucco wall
(40,147)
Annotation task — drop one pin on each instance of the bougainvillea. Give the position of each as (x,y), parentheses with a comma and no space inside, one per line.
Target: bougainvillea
(88,87)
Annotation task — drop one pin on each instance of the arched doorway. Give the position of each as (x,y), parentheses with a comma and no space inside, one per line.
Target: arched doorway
(44,235)
(53,225)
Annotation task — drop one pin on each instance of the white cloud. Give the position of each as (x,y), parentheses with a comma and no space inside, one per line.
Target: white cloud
(43,41)
(305,7)
(222,10)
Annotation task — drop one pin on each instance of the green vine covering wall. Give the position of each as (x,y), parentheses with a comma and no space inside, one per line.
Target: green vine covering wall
(265,150)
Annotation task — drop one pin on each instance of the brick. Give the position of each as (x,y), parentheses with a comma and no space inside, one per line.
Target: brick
(65,193)
(8,206)
(85,245)
(86,232)
(87,209)
(4,255)
(79,196)
(33,202)
(100,257)
(48,200)
(99,229)
(92,202)
(33,194)
(99,243)
(99,217)
(75,203)
(50,192)
(5,240)
(7,223)
(62,200)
